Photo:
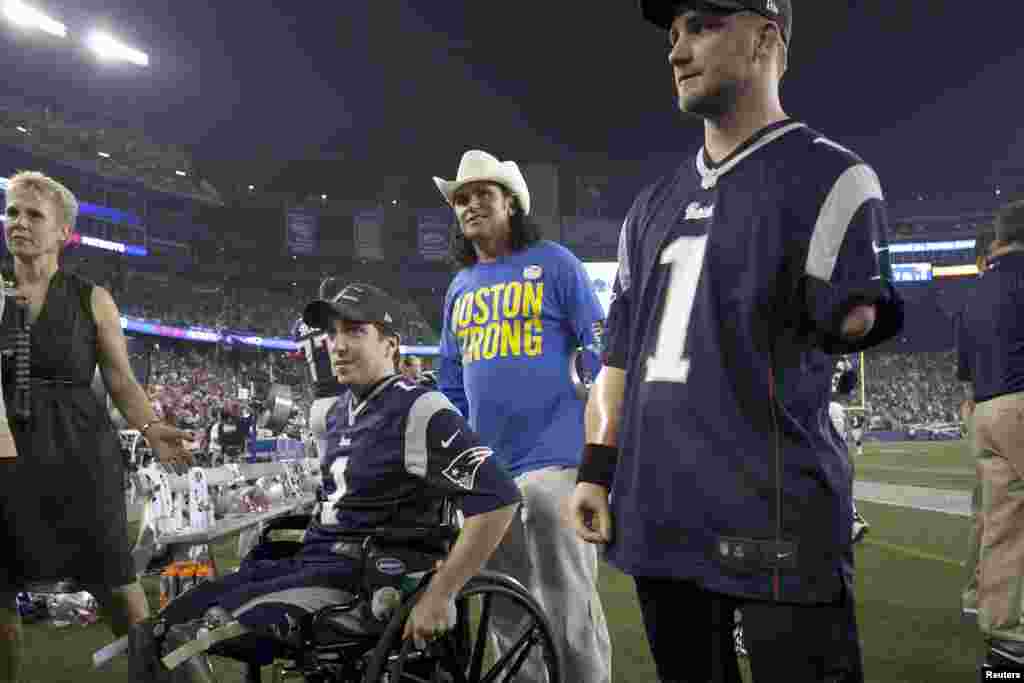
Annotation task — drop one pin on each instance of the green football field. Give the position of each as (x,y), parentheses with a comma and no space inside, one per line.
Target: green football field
(909,576)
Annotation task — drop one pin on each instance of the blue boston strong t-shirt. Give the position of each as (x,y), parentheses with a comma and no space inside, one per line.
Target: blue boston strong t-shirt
(510,328)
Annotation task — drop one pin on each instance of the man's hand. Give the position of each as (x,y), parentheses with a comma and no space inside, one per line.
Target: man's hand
(588,513)
(168,444)
(430,618)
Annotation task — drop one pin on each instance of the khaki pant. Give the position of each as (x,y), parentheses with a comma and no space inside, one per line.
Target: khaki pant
(998,442)
(969,595)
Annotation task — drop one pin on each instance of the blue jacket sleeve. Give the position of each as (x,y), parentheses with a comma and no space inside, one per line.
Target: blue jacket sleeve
(583,310)
(449,377)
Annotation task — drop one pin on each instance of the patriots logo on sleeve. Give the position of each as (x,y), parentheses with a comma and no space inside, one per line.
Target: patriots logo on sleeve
(462,470)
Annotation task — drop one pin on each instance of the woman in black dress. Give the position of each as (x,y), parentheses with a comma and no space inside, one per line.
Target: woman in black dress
(62,503)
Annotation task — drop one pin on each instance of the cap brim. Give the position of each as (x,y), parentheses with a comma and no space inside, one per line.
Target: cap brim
(663,12)
(319,313)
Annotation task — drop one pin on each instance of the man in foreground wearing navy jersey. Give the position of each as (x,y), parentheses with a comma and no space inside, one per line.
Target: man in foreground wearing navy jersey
(991,354)
(737,276)
(396,440)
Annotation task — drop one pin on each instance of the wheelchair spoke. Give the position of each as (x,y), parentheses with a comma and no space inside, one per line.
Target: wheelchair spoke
(523,654)
(521,647)
(463,655)
(481,639)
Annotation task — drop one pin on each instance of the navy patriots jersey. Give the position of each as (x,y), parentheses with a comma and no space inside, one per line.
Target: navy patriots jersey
(313,344)
(733,283)
(401,440)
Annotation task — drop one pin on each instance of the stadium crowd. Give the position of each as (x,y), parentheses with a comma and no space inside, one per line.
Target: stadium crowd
(905,389)
(191,383)
(179,301)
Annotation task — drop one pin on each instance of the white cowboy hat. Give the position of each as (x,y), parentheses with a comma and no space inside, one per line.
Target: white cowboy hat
(476,166)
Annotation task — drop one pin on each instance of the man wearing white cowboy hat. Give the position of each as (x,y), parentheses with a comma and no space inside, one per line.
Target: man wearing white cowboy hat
(514,314)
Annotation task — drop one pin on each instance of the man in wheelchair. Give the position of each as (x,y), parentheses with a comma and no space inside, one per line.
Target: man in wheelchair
(390,439)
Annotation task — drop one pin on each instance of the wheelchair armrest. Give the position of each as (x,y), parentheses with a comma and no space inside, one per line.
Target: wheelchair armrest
(293,522)
(297,522)
(429,534)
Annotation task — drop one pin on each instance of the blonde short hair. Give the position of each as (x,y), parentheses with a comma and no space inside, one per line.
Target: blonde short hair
(48,187)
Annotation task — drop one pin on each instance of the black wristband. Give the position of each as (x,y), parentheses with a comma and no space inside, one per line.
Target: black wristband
(598,465)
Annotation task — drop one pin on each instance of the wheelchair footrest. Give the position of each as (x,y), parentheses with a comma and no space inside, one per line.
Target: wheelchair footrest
(350,624)
(203,642)
(101,658)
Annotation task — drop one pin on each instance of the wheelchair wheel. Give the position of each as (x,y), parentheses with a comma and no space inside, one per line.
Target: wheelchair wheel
(468,653)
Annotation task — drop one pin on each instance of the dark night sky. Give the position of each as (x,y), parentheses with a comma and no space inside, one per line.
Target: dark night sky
(928,91)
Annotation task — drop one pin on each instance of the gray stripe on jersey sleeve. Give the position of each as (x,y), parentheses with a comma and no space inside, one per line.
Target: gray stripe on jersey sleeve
(855,186)
(423,408)
(623,256)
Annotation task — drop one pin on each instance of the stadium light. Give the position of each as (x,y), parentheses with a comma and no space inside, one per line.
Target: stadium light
(324,197)
(25,16)
(181,173)
(107,47)
(23,129)
(104,155)
(251,188)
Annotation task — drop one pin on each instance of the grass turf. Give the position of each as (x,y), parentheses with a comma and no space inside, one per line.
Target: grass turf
(909,576)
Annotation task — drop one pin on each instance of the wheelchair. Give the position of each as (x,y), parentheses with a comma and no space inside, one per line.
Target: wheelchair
(347,642)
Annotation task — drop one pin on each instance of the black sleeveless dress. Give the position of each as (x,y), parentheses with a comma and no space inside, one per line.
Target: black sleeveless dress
(62,500)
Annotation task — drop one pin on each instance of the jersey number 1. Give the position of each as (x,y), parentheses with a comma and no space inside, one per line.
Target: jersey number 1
(685,260)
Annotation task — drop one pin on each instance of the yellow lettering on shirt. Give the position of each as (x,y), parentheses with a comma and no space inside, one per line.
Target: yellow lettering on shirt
(496,299)
(513,298)
(532,338)
(533,299)
(482,309)
(510,330)
(492,335)
(476,335)
(501,320)
(463,309)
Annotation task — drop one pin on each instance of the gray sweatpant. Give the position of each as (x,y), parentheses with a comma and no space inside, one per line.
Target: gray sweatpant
(560,572)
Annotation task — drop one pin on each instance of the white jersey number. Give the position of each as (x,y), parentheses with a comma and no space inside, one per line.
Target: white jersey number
(685,258)
(329,514)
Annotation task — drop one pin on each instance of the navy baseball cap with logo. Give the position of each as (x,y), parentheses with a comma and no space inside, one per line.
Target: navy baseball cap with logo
(663,12)
(357,302)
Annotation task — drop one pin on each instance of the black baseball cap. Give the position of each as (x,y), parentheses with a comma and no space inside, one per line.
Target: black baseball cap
(357,302)
(663,12)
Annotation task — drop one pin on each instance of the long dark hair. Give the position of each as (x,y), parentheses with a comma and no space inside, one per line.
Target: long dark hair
(523,232)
